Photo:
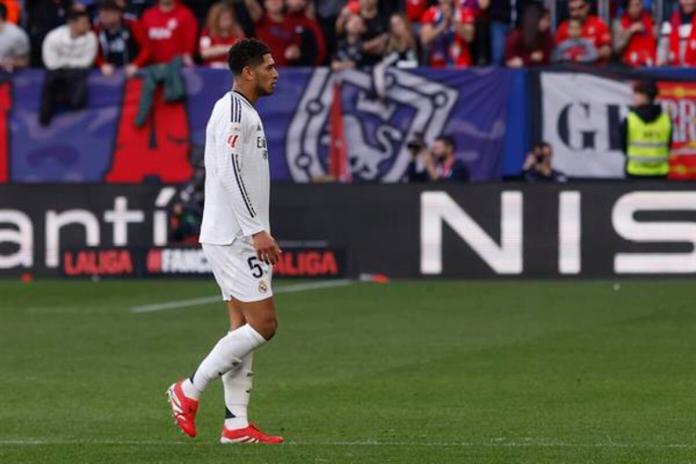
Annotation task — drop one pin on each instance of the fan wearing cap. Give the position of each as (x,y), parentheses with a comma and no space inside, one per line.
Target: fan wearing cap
(122,43)
(646,134)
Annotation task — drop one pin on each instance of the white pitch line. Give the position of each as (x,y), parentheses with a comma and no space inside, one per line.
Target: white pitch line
(528,444)
(216,299)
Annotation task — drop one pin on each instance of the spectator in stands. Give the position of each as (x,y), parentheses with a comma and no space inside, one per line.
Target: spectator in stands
(72,46)
(591,28)
(437,33)
(400,52)
(497,18)
(171,30)
(13,9)
(538,165)
(376,28)
(14,44)
(531,44)
(401,45)
(311,37)
(349,53)
(272,27)
(417,170)
(634,36)
(480,47)
(327,12)
(464,36)
(446,34)
(68,53)
(646,135)
(122,43)
(43,16)
(575,48)
(677,46)
(442,164)
(220,33)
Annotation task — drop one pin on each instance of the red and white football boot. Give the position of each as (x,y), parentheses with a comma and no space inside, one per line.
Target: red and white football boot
(250,434)
(183,409)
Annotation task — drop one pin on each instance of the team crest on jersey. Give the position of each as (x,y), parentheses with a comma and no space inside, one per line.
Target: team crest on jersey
(377,131)
(263,288)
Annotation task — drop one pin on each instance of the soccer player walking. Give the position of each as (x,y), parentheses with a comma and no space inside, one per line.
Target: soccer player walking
(236,239)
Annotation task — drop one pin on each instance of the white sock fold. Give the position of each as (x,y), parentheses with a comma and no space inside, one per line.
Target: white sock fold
(237,384)
(227,354)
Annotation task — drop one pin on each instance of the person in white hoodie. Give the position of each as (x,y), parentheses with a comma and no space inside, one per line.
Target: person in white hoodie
(68,53)
(72,45)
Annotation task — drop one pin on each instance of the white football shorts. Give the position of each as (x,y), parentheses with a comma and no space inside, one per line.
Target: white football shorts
(239,273)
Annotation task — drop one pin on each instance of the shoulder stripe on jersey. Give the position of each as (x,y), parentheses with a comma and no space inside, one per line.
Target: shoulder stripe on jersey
(233,105)
(242,187)
(236,112)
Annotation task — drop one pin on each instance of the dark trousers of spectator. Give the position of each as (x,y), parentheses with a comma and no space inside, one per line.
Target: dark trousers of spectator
(66,87)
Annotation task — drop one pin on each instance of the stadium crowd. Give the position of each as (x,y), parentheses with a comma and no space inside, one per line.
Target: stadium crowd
(110,34)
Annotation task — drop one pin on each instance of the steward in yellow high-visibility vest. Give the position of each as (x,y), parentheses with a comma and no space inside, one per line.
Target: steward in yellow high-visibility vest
(647,135)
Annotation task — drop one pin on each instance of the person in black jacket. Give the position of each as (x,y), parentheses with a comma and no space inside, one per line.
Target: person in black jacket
(538,165)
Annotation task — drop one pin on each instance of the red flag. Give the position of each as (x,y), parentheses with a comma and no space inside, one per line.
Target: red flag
(5,108)
(338,152)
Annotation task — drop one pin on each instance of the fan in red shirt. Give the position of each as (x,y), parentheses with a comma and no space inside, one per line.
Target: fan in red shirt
(221,32)
(593,28)
(415,9)
(446,34)
(172,30)
(272,27)
(677,46)
(312,42)
(635,36)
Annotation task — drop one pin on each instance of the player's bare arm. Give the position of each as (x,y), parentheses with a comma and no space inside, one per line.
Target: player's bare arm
(267,249)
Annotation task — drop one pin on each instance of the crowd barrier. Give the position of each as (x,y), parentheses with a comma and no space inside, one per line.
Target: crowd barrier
(493,114)
(577,230)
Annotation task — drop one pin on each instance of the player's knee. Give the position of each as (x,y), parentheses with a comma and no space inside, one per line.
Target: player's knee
(267,327)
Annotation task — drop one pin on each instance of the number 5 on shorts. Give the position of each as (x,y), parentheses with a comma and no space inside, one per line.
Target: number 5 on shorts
(255,267)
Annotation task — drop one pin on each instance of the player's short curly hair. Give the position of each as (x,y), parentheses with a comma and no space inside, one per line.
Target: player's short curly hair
(246,52)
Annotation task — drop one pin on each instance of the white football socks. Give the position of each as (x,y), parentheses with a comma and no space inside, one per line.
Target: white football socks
(237,384)
(227,354)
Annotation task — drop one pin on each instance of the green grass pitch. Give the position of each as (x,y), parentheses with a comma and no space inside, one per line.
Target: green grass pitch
(408,372)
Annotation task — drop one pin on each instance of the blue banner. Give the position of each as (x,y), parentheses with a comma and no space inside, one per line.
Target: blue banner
(102,144)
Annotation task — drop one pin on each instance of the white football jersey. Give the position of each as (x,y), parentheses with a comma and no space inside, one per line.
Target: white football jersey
(237,175)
